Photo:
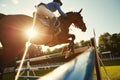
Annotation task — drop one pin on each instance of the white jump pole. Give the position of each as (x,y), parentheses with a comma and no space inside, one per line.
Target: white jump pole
(26,49)
(78,50)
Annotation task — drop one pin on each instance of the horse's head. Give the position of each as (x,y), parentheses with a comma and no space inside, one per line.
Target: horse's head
(77,20)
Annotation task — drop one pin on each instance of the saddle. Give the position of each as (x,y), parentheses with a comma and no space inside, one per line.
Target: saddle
(53,24)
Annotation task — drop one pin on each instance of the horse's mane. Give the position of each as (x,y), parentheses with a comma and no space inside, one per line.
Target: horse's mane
(68,13)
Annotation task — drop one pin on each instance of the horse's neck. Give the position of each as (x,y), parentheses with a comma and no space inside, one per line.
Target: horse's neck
(65,27)
(65,23)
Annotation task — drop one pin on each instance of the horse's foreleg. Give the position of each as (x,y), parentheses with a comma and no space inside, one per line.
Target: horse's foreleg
(71,46)
(71,43)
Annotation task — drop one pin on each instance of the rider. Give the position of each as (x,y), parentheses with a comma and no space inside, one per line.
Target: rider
(47,10)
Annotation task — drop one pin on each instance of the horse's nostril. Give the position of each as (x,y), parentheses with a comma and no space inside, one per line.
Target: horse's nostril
(84,29)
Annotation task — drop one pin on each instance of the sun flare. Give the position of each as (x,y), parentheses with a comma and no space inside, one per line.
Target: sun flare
(31,33)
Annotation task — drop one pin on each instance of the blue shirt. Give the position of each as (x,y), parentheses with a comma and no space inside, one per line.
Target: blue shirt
(53,6)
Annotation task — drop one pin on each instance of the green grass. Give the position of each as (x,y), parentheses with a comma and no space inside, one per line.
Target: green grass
(113,72)
(112,63)
(8,76)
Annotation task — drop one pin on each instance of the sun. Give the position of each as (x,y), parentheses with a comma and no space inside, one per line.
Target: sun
(31,33)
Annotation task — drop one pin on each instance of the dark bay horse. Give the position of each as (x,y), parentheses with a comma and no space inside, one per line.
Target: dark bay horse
(13,36)
(73,17)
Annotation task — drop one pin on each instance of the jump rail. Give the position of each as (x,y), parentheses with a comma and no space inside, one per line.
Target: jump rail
(39,68)
(78,50)
(29,77)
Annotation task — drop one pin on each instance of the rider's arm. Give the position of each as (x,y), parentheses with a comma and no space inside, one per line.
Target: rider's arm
(59,10)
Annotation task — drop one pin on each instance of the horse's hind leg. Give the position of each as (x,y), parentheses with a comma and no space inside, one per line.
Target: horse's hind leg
(1,66)
(1,72)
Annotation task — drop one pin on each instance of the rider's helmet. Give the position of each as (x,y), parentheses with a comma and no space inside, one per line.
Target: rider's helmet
(58,1)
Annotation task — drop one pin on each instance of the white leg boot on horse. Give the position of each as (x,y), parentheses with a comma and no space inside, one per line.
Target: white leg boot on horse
(68,50)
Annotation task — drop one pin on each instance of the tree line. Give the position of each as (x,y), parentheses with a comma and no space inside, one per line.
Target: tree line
(110,42)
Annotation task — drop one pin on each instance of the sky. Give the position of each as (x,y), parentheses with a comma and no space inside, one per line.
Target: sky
(101,15)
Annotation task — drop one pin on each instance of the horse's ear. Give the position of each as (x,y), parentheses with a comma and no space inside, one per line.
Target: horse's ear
(80,11)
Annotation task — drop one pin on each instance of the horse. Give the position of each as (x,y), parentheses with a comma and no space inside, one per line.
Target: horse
(13,33)
(63,36)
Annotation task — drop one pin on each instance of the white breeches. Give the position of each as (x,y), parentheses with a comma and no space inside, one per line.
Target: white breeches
(43,11)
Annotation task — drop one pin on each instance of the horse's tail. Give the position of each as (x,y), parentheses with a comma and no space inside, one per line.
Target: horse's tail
(2,15)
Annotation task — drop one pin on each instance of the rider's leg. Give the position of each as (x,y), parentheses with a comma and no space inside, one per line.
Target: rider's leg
(51,16)
(42,10)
